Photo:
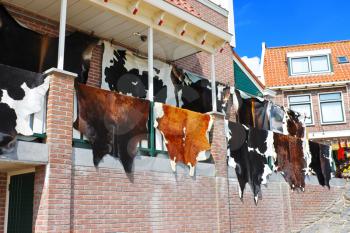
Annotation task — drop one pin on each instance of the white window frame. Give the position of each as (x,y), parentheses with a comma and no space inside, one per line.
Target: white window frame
(342,104)
(309,64)
(311,106)
(7,200)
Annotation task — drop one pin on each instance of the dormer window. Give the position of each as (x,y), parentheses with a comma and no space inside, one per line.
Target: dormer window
(309,62)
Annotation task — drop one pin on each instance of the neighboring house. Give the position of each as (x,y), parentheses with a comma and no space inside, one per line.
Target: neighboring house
(313,79)
(245,79)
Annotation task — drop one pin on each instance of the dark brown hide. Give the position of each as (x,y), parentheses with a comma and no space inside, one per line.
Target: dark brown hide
(113,123)
(294,126)
(320,162)
(8,132)
(325,164)
(290,159)
(252,112)
(26,49)
(185,133)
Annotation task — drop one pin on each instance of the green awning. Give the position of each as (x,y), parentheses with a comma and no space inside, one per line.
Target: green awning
(243,82)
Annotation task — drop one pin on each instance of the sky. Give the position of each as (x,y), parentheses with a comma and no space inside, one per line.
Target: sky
(288,22)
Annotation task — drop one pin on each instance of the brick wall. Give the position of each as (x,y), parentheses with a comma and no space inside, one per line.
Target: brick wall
(105,200)
(3,185)
(199,63)
(280,209)
(282,99)
(209,15)
(34,21)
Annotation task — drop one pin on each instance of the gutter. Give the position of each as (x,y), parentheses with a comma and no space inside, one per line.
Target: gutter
(310,86)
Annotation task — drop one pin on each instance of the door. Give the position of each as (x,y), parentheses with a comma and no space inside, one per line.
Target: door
(20,210)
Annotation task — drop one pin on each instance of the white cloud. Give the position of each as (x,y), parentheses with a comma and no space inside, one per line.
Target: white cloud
(253,63)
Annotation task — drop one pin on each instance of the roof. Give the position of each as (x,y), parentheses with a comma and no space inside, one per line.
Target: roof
(184,5)
(276,66)
(253,76)
(244,83)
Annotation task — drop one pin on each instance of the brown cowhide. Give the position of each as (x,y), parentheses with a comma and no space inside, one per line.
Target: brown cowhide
(185,133)
(294,126)
(113,123)
(290,160)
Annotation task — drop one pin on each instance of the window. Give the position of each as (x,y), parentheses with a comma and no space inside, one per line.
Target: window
(319,64)
(332,110)
(300,65)
(302,105)
(342,59)
(310,65)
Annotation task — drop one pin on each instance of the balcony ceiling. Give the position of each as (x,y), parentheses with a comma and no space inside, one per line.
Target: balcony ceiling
(114,20)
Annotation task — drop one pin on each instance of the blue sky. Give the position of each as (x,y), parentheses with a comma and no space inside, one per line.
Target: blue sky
(288,22)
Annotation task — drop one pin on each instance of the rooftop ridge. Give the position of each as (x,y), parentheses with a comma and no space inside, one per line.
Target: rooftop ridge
(301,45)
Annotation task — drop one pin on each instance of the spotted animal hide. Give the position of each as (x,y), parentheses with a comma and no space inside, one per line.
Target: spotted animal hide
(127,73)
(250,149)
(185,134)
(22,93)
(113,123)
(290,160)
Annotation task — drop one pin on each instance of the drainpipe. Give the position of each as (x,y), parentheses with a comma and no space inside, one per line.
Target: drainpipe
(213,80)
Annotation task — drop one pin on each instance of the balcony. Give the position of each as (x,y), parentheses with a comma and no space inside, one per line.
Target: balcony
(172,34)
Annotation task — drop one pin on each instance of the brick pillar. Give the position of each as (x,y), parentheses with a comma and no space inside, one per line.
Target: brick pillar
(219,151)
(53,183)
(95,71)
(3,182)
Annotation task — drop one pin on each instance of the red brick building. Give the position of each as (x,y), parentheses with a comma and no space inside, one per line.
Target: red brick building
(313,79)
(68,194)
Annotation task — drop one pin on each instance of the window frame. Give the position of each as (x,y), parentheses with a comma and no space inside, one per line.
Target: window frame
(342,62)
(301,103)
(332,101)
(308,57)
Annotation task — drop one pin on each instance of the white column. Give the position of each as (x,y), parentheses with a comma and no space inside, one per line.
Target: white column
(62,35)
(150,63)
(213,85)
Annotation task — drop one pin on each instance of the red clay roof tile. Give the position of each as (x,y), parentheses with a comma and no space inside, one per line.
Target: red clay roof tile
(276,67)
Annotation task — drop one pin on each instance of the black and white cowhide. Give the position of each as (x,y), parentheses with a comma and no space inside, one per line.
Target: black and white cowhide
(22,93)
(249,150)
(127,73)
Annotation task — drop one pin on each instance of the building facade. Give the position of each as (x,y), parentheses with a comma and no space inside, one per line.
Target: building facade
(59,186)
(313,79)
